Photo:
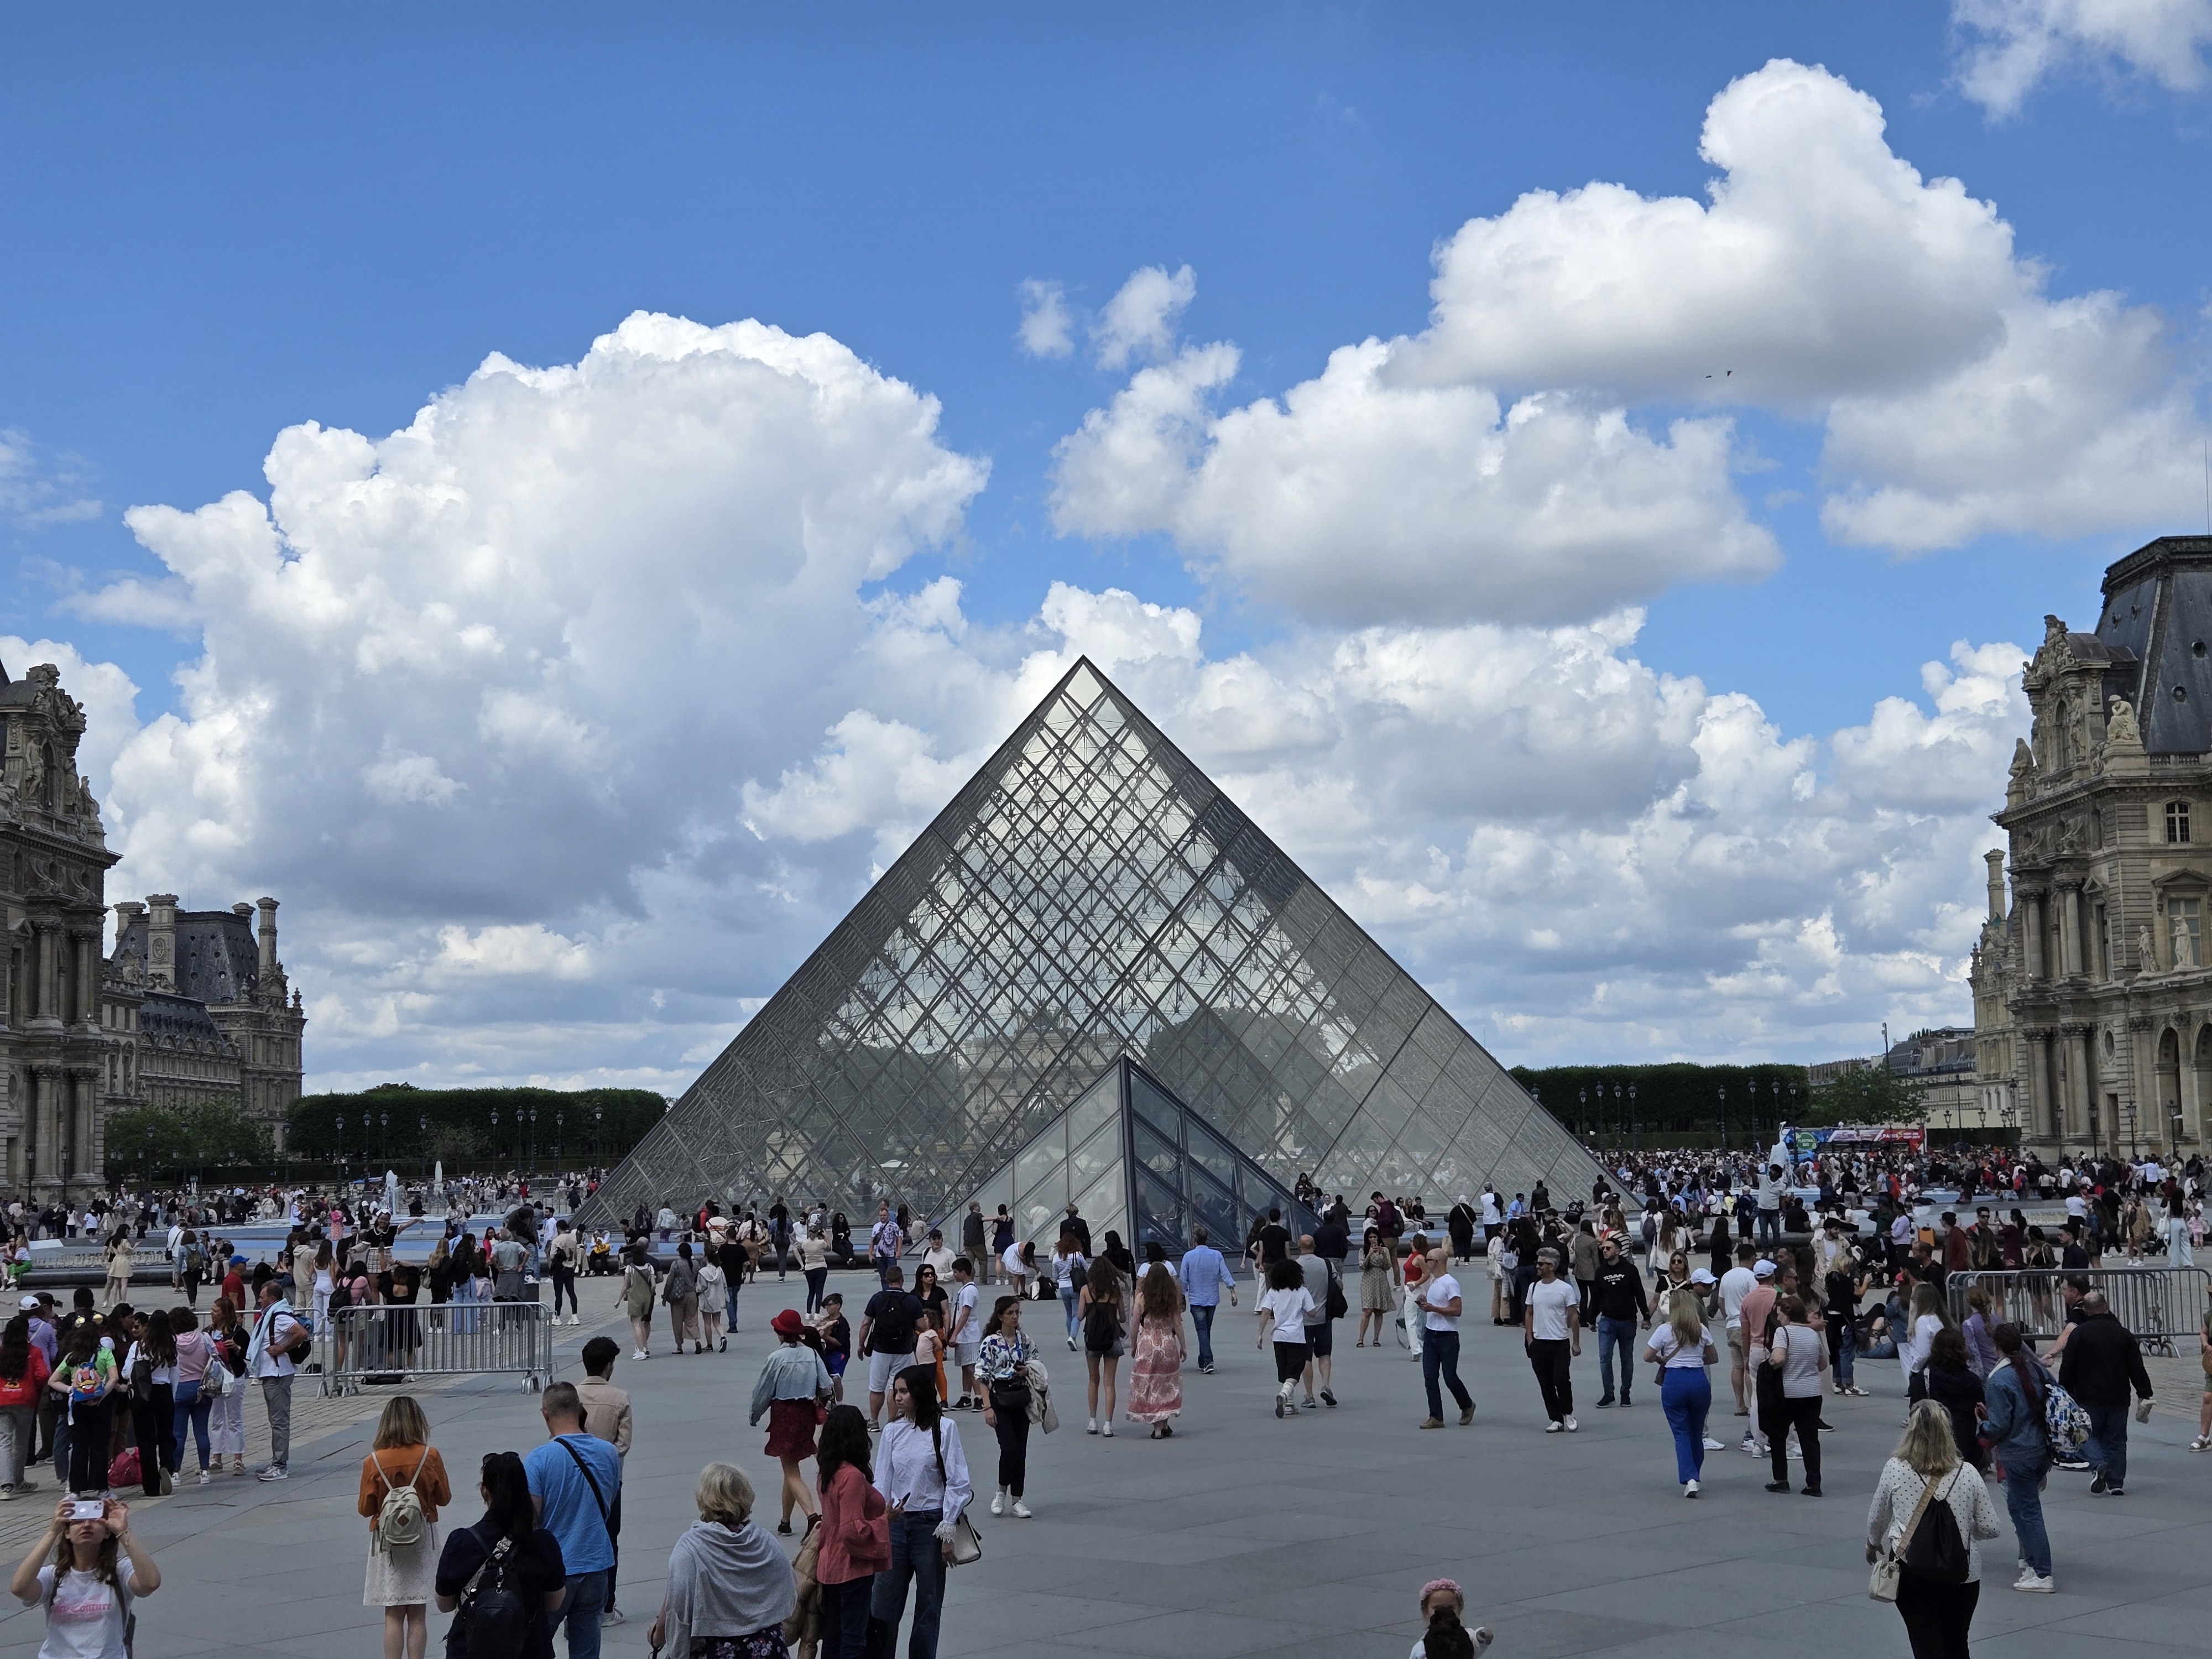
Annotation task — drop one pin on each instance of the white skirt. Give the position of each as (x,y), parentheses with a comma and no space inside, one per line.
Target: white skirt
(402,1578)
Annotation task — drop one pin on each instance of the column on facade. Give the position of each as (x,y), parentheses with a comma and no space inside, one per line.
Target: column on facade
(46,932)
(53,1103)
(2037,1076)
(2087,1094)
(2068,895)
(84,1084)
(2033,934)
(2190,1096)
(87,1011)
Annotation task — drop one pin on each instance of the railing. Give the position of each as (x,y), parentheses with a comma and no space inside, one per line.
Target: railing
(2160,1305)
(468,1339)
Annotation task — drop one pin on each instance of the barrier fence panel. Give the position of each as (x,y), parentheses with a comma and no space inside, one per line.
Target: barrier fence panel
(2163,1306)
(393,1344)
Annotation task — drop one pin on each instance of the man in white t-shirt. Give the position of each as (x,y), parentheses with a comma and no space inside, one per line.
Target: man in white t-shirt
(1736,1284)
(1552,1332)
(1440,1311)
(1493,1214)
(964,1341)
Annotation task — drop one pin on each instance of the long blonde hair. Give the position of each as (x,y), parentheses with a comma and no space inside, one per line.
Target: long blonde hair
(402,1425)
(1684,1319)
(1929,1445)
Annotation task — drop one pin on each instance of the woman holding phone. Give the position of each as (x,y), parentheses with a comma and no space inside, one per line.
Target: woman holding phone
(88,1567)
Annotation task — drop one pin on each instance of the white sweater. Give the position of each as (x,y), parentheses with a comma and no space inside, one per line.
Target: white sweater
(1898,1494)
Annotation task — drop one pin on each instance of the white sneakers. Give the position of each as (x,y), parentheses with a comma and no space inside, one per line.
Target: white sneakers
(998,1502)
(1022,1510)
(1090,1425)
(1689,1489)
(2034,1585)
(1106,1429)
(1554,1426)
(1571,1424)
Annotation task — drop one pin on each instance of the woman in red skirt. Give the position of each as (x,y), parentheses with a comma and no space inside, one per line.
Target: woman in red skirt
(793,1386)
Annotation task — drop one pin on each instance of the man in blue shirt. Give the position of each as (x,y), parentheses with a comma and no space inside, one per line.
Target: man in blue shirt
(1205,1275)
(574,1479)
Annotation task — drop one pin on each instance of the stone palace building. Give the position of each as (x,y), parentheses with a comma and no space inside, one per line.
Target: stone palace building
(2093,987)
(189,1005)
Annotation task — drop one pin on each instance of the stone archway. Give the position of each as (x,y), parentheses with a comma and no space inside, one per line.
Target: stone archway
(2198,1086)
(2167,1100)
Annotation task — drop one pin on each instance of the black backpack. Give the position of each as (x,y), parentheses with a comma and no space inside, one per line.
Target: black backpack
(1935,1552)
(1101,1330)
(494,1621)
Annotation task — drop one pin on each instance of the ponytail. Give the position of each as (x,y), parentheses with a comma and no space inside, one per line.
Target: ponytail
(1446,1638)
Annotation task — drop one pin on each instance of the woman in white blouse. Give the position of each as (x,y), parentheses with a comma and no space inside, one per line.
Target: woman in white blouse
(922,1473)
(1927,1317)
(1937,1615)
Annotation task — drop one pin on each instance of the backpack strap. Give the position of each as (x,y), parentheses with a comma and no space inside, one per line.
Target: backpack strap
(561,1441)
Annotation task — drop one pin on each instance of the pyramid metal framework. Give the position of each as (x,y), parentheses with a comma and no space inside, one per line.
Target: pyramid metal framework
(1089,893)
(1136,1160)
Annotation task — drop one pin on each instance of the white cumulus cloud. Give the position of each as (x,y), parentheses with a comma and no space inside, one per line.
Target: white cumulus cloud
(2012,45)
(1139,323)
(1047,329)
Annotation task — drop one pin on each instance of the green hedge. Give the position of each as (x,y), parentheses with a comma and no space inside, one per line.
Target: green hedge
(460,1125)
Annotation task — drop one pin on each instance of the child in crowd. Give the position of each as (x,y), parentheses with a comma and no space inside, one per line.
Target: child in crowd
(1443,1609)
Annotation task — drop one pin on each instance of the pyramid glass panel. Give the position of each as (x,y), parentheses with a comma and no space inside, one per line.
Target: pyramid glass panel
(1089,894)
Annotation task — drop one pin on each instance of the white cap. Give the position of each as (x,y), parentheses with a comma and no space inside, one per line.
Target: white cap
(1699,1276)
(1763,1268)
(30,1304)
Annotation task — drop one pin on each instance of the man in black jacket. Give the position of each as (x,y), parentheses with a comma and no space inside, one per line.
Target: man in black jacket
(2102,1359)
(1617,1296)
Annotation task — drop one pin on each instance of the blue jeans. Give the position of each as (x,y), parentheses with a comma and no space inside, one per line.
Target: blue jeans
(1202,1319)
(2023,1487)
(586,1601)
(845,1618)
(1067,1301)
(1767,1229)
(916,1555)
(1440,1358)
(1842,1348)
(1686,1395)
(2106,1448)
(193,1409)
(1613,1333)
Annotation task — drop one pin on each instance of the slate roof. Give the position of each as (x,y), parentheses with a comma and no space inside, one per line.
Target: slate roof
(2156,632)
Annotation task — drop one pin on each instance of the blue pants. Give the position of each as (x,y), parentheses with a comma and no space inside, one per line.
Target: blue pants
(193,1409)
(1613,1333)
(2024,1503)
(1843,1346)
(1685,1395)
(586,1601)
(845,1618)
(1440,1360)
(2106,1448)
(916,1555)
(1202,1319)
(1067,1301)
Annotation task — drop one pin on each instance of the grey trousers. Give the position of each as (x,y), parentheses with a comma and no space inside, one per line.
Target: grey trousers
(276,1396)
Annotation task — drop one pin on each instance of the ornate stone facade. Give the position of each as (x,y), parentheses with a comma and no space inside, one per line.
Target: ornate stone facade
(200,1008)
(53,867)
(2092,990)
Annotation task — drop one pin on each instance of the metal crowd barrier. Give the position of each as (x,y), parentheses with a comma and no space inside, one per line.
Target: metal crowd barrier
(2162,1306)
(391,1345)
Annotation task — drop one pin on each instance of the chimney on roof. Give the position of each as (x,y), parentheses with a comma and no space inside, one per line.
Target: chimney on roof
(268,941)
(161,941)
(1995,858)
(126,912)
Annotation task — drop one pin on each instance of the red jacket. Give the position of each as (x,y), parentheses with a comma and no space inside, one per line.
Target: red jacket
(856,1533)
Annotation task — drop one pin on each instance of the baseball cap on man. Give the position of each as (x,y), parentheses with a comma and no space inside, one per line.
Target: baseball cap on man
(1762,1268)
(1699,1276)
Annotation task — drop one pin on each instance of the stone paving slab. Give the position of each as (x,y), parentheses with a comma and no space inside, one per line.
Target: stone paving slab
(1245,1536)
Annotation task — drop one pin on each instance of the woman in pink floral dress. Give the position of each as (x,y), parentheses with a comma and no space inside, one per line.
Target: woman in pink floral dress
(1156,1374)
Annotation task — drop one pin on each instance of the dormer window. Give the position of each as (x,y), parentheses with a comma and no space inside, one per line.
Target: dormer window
(2177,823)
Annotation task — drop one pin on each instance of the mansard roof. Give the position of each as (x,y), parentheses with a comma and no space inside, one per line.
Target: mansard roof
(2155,631)
(218,959)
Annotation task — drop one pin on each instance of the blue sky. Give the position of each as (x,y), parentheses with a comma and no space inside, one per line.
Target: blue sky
(223,223)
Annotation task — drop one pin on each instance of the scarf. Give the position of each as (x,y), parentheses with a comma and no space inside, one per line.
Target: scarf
(724,1582)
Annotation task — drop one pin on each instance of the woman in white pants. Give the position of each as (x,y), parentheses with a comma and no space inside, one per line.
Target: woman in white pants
(227,1416)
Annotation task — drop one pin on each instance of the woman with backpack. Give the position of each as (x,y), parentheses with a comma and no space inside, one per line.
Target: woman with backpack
(403,1482)
(86,1379)
(636,1295)
(24,1372)
(503,1578)
(2017,1433)
(194,1398)
(680,1291)
(1930,1514)
(1099,1313)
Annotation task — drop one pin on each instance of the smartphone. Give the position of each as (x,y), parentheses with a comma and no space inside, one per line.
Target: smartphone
(88,1509)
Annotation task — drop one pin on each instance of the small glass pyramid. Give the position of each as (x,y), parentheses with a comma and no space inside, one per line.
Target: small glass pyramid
(1135,1159)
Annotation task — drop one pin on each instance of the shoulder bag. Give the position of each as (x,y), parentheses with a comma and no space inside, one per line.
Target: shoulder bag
(1888,1565)
(967,1542)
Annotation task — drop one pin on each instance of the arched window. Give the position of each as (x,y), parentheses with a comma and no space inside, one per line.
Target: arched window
(2177,822)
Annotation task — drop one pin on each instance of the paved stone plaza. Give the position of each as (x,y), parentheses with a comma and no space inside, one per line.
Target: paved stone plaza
(1245,1535)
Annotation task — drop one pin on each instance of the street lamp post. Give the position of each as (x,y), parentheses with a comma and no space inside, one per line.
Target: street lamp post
(595,1136)
(1635,1125)
(1582,1111)
(341,1123)
(560,1121)
(495,1143)
(423,1126)
(1620,1119)
(383,1121)
(1724,1120)
(534,1141)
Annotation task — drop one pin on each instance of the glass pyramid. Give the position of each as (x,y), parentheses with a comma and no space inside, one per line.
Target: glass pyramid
(1127,1151)
(1091,893)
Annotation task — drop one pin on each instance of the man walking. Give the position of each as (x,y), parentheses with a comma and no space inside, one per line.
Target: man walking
(1553,1338)
(278,1339)
(888,1326)
(1321,1329)
(574,1480)
(2101,1359)
(606,1417)
(1736,1284)
(885,1244)
(1617,1295)
(1205,1275)
(1441,1303)
(1585,1258)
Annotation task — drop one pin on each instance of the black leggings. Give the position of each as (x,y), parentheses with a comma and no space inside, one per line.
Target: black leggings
(87,1446)
(153,1426)
(817,1280)
(1937,1616)
(1011,1410)
(564,1278)
(1777,1417)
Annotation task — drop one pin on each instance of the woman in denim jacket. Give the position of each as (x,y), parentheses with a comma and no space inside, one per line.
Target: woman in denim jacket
(2013,1429)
